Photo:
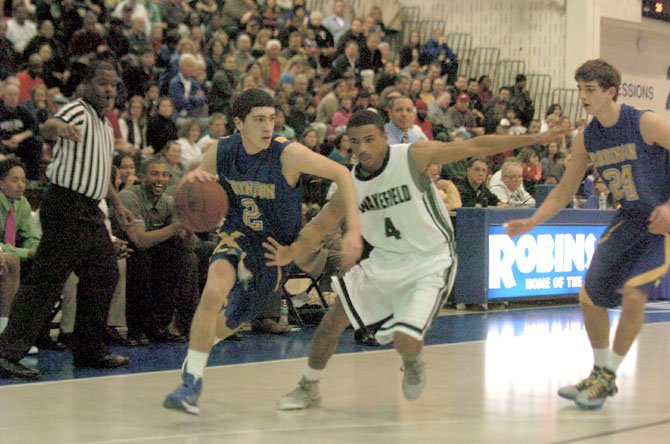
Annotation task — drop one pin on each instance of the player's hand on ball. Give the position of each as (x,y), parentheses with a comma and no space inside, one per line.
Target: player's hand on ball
(659,219)
(517,227)
(199,175)
(278,254)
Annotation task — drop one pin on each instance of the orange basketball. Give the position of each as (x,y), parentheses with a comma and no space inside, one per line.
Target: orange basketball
(200,206)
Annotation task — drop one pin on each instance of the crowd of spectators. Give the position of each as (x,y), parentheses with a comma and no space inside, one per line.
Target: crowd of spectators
(183,62)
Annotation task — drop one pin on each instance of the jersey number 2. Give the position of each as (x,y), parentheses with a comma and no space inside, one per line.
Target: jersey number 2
(391,230)
(251,214)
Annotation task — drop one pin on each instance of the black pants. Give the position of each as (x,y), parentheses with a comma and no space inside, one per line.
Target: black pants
(159,281)
(75,240)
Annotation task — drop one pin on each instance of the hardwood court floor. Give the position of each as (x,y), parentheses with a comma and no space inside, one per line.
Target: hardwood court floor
(492,378)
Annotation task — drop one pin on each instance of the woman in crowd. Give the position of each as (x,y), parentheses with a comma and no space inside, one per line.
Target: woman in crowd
(189,133)
(548,159)
(215,54)
(342,151)
(344,113)
(426,91)
(415,89)
(262,38)
(161,128)
(134,126)
(411,51)
(127,169)
(554,110)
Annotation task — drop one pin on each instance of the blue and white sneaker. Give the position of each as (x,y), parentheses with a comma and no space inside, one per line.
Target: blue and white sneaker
(185,397)
(603,387)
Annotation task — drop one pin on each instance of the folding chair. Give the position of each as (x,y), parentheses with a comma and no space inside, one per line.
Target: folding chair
(313,285)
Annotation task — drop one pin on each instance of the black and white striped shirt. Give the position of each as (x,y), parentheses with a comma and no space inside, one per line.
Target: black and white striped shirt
(84,166)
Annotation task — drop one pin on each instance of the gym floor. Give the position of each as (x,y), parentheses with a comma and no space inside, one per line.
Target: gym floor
(492,378)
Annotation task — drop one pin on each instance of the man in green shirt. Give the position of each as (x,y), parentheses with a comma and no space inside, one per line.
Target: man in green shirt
(19,233)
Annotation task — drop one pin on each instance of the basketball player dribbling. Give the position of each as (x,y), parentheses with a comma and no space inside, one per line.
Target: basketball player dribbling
(260,172)
(629,148)
(402,286)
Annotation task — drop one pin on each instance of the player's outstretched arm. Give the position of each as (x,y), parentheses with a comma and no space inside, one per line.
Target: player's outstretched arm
(298,159)
(559,196)
(426,153)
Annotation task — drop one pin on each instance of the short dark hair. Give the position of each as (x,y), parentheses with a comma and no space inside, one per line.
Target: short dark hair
(8,164)
(472,160)
(118,158)
(520,78)
(156,160)
(602,72)
(504,87)
(366,117)
(248,99)
(95,66)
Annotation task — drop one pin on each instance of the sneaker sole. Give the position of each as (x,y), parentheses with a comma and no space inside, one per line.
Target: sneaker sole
(181,406)
(589,406)
(297,406)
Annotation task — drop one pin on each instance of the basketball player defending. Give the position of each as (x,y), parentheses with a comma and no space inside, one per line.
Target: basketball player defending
(630,151)
(260,173)
(407,278)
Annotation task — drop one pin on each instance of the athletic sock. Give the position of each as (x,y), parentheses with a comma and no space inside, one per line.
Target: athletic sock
(614,362)
(601,357)
(217,340)
(3,324)
(312,375)
(196,362)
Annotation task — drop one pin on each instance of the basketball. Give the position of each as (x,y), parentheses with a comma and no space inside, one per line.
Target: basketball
(200,206)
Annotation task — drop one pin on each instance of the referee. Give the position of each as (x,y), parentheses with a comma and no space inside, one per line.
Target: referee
(74,236)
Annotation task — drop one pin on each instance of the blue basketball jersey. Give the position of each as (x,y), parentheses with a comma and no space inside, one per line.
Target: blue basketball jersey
(261,202)
(638,174)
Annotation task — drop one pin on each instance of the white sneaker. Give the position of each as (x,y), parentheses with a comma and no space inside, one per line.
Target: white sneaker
(305,396)
(33,350)
(414,378)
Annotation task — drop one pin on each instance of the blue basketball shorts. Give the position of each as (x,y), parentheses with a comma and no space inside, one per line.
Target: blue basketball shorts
(627,255)
(256,282)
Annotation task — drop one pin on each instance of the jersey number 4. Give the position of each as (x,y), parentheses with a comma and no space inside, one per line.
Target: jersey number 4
(391,230)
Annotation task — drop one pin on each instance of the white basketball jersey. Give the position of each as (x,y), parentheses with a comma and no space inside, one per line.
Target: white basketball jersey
(400,208)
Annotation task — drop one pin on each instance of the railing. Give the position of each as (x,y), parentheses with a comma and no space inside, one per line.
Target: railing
(539,87)
(461,44)
(506,71)
(483,61)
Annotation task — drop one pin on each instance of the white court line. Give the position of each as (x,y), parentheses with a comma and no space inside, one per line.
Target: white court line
(42,383)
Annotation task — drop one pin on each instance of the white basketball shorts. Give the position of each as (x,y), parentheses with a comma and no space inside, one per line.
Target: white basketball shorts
(403,292)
